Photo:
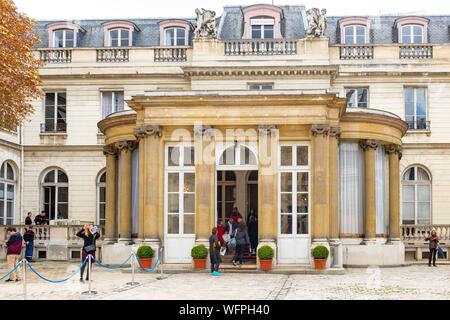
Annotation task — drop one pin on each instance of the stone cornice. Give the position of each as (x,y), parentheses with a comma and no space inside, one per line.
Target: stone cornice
(376,118)
(116,121)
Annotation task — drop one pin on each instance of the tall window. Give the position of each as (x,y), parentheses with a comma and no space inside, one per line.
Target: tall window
(357,97)
(294,189)
(416,196)
(119,38)
(63,38)
(416,108)
(262,28)
(55,191)
(412,33)
(226,193)
(112,101)
(7,193)
(180,196)
(355,34)
(55,112)
(101,198)
(175,36)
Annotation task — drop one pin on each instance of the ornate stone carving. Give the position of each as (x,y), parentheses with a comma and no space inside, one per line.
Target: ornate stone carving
(320,129)
(148,130)
(265,130)
(109,150)
(317,23)
(394,148)
(206,24)
(334,132)
(202,130)
(125,145)
(366,144)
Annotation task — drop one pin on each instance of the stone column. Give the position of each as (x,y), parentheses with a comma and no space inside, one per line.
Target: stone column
(395,154)
(204,183)
(150,172)
(320,184)
(110,210)
(125,148)
(369,147)
(334,134)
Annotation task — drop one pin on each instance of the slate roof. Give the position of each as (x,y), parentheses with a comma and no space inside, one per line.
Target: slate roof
(230,26)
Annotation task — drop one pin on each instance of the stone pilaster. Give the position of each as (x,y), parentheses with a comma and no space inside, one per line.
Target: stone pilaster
(111,183)
(125,149)
(369,147)
(395,154)
(334,134)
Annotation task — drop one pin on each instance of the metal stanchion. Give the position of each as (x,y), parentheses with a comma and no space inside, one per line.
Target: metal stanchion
(133,264)
(90,277)
(161,275)
(24,278)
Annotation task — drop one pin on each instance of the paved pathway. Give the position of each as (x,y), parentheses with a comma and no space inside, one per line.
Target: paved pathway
(412,282)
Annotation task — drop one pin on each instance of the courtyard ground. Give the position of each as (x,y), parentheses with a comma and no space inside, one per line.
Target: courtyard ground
(410,282)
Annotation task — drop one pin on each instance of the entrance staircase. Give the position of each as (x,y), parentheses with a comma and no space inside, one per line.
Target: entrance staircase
(249,261)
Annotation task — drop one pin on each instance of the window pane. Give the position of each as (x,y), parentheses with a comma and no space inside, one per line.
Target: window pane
(408,211)
(103,177)
(423,211)
(189,203)
(423,193)
(9,212)
(62,177)
(124,38)
(350,95)
(227,157)
(286,182)
(69,38)
(219,193)
(409,175)
(362,98)
(408,193)
(268,32)
(302,224)
(173,205)
(302,155)
(63,212)
(286,203)
(302,182)
(230,192)
(286,224)
(10,192)
(102,194)
(189,182)
(63,194)
(102,209)
(173,226)
(181,37)
(286,155)
(118,101)
(247,157)
(174,156)
(173,182)
(189,224)
(9,172)
(256,32)
(230,176)
(2,191)
(50,177)
(169,38)
(189,156)
(107,104)
(302,203)
(422,175)
(58,38)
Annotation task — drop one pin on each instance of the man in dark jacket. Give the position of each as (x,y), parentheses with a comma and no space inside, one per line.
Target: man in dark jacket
(241,240)
(14,249)
(28,221)
(28,237)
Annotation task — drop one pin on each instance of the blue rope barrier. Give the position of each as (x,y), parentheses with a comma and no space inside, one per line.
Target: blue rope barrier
(145,269)
(112,267)
(57,281)
(12,271)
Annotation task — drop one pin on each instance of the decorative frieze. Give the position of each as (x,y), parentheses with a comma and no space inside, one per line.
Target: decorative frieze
(265,130)
(125,145)
(320,129)
(368,144)
(148,130)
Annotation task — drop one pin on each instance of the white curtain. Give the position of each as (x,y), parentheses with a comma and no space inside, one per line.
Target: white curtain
(351,181)
(381,187)
(106,104)
(134,190)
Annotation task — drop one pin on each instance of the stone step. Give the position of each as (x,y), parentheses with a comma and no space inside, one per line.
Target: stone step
(230,266)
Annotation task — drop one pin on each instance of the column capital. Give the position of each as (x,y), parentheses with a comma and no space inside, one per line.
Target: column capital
(394,148)
(320,129)
(148,130)
(334,132)
(109,150)
(265,130)
(202,130)
(125,145)
(368,144)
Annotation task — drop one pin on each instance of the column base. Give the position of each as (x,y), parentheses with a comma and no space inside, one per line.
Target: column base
(393,241)
(369,241)
(125,240)
(109,240)
(379,254)
(115,253)
(336,253)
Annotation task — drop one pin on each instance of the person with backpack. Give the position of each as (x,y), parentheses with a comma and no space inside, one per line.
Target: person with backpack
(28,237)
(89,234)
(214,252)
(433,245)
(241,237)
(13,251)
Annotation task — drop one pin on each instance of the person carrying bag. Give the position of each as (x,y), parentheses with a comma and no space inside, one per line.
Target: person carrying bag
(89,234)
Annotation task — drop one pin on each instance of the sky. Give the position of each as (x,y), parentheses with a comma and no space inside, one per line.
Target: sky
(108,9)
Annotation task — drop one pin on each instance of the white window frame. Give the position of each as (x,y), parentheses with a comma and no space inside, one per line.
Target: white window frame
(356,102)
(114,106)
(175,36)
(55,111)
(354,37)
(64,38)
(8,182)
(99,185)
(294,169)
(57,185)
(415,183)
(221,147)
(119,37)
(415,105)
(412,35)
(262,22)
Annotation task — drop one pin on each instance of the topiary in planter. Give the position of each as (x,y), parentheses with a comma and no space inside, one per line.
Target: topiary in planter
(265,253)
(145,252)
(320,252)
(199,252)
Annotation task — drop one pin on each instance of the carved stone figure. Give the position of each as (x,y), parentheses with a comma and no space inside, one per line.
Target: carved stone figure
(317,23)
(206,24)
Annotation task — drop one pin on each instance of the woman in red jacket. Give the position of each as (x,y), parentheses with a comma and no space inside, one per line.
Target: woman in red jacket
(220,231)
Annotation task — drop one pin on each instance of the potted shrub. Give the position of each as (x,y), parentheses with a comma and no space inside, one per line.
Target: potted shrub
(320,254)
(265,255)
(145,256)
(199,254)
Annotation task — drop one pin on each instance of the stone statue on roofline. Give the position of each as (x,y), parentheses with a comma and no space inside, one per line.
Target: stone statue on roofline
(206,24)
(317,23)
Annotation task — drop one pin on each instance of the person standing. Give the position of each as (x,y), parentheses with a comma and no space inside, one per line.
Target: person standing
(38,219)
(89,234)
(433,245)
(28,237)
(214,252)
(252,223)
(44,217)
(241,240)
(221,231)
(14,249)
(28,221)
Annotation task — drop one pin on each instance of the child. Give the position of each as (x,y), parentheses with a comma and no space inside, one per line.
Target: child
(214,252)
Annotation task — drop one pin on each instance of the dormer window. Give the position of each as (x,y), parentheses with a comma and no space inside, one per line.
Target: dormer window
(262,21)
(174,32)
(354,30)
(262,28)
(119,33)
(63,34)
(63,38)
(412,30)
